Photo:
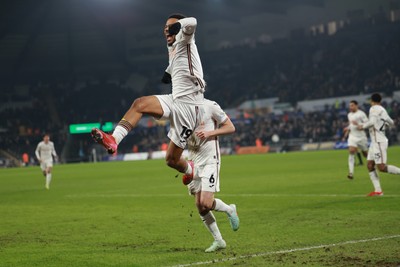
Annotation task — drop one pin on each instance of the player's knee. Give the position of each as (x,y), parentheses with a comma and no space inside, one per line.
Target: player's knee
(371,166)
(206,204)
(138,104)
(202,208)
(382,167)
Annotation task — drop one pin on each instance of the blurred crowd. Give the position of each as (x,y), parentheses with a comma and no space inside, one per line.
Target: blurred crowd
(357,59)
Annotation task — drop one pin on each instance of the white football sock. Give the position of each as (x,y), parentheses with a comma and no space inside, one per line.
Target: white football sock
(211,224)
(351,163)
(48,179)
(189,169)
(393,169)
(375,181)
(119,134)
(221,206)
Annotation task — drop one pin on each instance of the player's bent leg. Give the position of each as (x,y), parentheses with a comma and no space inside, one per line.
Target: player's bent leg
(393,169)
(174,158)
(207,201)
(210,223)
(149,105)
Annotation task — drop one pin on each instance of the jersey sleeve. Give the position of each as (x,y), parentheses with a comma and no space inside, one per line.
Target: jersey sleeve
(389,120)
(364,117)
(53,150)
(188,28)
(37,151)
(218,114)
(373,116)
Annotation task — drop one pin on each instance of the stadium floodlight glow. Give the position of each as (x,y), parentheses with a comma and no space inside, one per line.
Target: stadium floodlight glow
(87,127)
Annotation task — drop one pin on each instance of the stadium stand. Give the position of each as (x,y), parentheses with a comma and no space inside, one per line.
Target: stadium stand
(358,59)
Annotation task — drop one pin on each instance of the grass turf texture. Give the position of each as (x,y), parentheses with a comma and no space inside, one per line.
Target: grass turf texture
(139,214)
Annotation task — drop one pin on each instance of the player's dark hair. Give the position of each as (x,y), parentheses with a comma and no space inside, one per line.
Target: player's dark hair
(377,98)
(177,16)
(354,102)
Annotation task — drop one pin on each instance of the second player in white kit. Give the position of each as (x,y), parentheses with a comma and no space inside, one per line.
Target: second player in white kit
(204,152)
(378,121)
(45,152)
(357,139)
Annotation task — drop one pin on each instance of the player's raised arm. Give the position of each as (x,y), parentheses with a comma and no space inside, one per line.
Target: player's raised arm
(186,25)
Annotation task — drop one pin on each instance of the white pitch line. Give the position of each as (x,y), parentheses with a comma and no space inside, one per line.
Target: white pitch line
(113,195)
(287,251)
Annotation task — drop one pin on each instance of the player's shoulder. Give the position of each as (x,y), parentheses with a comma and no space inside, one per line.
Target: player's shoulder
(209,102)
(360,111)
(378,109)
(41,143)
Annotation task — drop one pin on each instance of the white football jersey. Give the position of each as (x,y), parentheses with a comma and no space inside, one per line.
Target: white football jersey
(184,61)
(379,120)
(360,117)
(206,151)
(45,151)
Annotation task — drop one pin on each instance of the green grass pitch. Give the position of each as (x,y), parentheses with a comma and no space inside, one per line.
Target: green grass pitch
(139,214)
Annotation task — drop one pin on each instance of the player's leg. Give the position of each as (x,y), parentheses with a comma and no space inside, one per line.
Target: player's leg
(144,105)
(174,159)
(48,177)
(365,153)
(352,152)
(149,105)
(183,119)
(363,146)
(360,161)
(382,166)
(210,185)
(204,202)
(372,172)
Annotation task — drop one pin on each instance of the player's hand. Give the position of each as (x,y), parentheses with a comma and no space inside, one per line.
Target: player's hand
(174,28)
(354,123)
(203,135)
(360,127)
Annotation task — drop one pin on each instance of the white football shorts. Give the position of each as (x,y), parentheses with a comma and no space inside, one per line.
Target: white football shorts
(183,117)
(378,152)
(206,178)
(46,164)
(361,143)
